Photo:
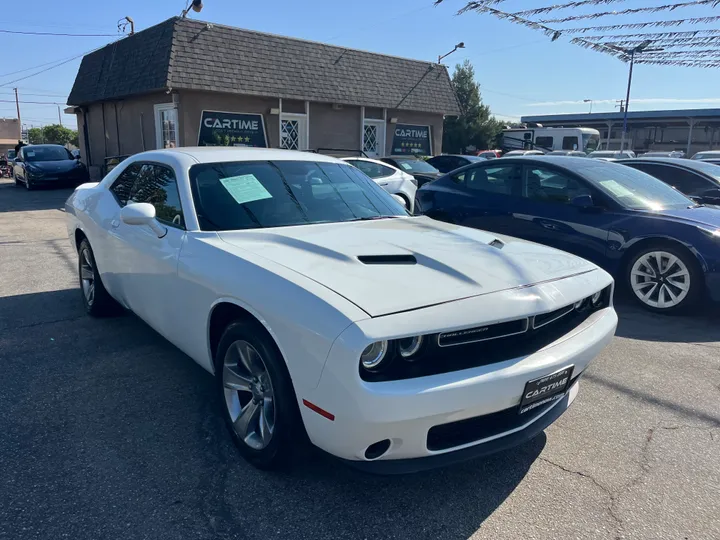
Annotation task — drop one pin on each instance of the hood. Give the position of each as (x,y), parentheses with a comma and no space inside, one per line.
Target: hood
(701,215)
(400,264)
(63,165)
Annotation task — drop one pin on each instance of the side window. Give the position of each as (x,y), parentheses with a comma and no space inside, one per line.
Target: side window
(498,180)
(547,185)
(545,142)
(123,184)
(570,143)
(373,170)
(685,181)
(156,184)
(440,163)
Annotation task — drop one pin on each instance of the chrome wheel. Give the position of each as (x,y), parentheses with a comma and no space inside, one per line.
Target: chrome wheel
(660,279)
(87,276)
(249,395)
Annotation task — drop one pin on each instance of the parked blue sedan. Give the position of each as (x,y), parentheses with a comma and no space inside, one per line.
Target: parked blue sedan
(664,246)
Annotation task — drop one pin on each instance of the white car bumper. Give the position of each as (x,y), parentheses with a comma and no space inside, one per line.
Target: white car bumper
(404,411)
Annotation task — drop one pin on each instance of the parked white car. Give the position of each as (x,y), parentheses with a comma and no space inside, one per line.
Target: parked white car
(515,153)
(325,311)
(391,179)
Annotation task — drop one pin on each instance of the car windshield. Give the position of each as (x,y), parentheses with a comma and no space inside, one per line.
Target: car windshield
(259,194)
(415,166)
(474,159)
(631,188)
(46,153)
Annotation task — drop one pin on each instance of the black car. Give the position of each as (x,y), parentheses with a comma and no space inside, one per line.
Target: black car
(48,164)
(699,180)
(421,170)
(450,162)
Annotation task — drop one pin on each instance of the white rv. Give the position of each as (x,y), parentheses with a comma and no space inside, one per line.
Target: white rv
(547,139)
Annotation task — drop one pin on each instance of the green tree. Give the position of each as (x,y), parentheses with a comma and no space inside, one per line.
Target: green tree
(475,126)
(35,135)
(57,134)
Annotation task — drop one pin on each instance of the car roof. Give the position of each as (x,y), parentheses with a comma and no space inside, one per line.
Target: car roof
(215,154)
(682,162)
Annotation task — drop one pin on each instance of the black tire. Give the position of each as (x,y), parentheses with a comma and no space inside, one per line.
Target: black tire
(17,182)
(101,304)
(693,279)
(288,437)
(28,184)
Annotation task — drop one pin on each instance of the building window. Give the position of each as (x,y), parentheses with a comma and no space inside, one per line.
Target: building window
(290,135)
(166,125)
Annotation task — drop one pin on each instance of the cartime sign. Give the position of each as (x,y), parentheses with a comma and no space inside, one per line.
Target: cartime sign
(231,129)
(410,139)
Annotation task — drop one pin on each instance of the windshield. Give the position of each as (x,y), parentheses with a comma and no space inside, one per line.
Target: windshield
(415,166)
(46,153)
(11,154)
(632,188)
(259,194)
(590,142)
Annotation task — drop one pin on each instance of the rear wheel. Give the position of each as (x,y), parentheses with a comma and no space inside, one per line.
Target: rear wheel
(259,403)
(664,279)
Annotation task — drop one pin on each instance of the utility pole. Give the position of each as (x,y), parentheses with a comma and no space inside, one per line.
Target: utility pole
(59,117)
(17,104)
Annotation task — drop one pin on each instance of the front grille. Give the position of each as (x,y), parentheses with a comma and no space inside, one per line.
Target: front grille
(483,345)
(470,430)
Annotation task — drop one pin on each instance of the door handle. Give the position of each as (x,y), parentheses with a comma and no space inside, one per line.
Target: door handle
(115,223)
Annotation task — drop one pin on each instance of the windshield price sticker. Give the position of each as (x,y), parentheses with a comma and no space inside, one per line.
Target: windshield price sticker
(245,188)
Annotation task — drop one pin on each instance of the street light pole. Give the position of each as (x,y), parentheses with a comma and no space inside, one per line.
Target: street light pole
(460,45)
(627,101)
(590,101)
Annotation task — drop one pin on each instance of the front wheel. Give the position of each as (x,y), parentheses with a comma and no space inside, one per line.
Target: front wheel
(258,400)
(664,279)
(96,299)
(28,184)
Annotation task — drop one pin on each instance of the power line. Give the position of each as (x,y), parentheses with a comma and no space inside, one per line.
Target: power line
(31,102)
(51,67)
(21,32)
(33,67)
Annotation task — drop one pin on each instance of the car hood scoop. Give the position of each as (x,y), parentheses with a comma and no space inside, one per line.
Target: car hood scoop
(392,265)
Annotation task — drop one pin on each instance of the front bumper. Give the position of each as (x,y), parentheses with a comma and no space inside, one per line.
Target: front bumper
(505,442)
(404,411)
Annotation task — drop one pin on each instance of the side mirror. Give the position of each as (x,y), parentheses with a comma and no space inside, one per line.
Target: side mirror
(583,201)
(400,200)
(142,214)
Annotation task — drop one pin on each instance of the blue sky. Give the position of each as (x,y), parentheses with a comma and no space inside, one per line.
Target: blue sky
(520,71)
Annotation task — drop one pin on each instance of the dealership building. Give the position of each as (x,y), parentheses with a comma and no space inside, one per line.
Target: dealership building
(185,83)
(688,130)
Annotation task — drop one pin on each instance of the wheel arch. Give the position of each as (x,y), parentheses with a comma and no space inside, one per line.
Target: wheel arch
(637,245)
(78,236)
(222,313)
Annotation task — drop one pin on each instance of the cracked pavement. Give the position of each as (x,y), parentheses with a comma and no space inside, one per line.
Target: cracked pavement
(107,431)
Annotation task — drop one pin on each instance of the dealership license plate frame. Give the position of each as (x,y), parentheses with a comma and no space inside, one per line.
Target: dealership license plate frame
(529,404)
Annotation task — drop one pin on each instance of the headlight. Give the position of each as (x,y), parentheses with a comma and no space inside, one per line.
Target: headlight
(373,355)
(595,298)
(409,347)
(413,180)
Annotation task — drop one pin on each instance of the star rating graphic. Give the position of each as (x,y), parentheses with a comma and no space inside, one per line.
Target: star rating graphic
(410,145)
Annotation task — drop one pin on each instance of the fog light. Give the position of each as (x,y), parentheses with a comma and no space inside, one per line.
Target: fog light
(409,346)
(377,449)
(373,355)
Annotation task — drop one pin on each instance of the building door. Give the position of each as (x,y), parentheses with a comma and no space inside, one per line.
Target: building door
(374,138)
(293,131)
(166,125)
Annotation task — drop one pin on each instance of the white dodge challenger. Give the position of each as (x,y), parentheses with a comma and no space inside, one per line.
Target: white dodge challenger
(325,311)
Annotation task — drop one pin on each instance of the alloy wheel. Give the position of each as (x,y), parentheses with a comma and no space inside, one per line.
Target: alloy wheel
(660,279)
(87,276)
(249,395)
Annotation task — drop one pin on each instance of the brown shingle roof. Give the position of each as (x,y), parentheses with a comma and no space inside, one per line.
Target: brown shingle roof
(202,56)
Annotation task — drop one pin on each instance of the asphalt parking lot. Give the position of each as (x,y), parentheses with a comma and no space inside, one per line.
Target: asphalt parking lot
(108,431)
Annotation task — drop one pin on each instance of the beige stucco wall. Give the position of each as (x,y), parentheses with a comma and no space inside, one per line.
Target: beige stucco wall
(435,121)
(134,121)
(114,128)
(191,104)
(330,128)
